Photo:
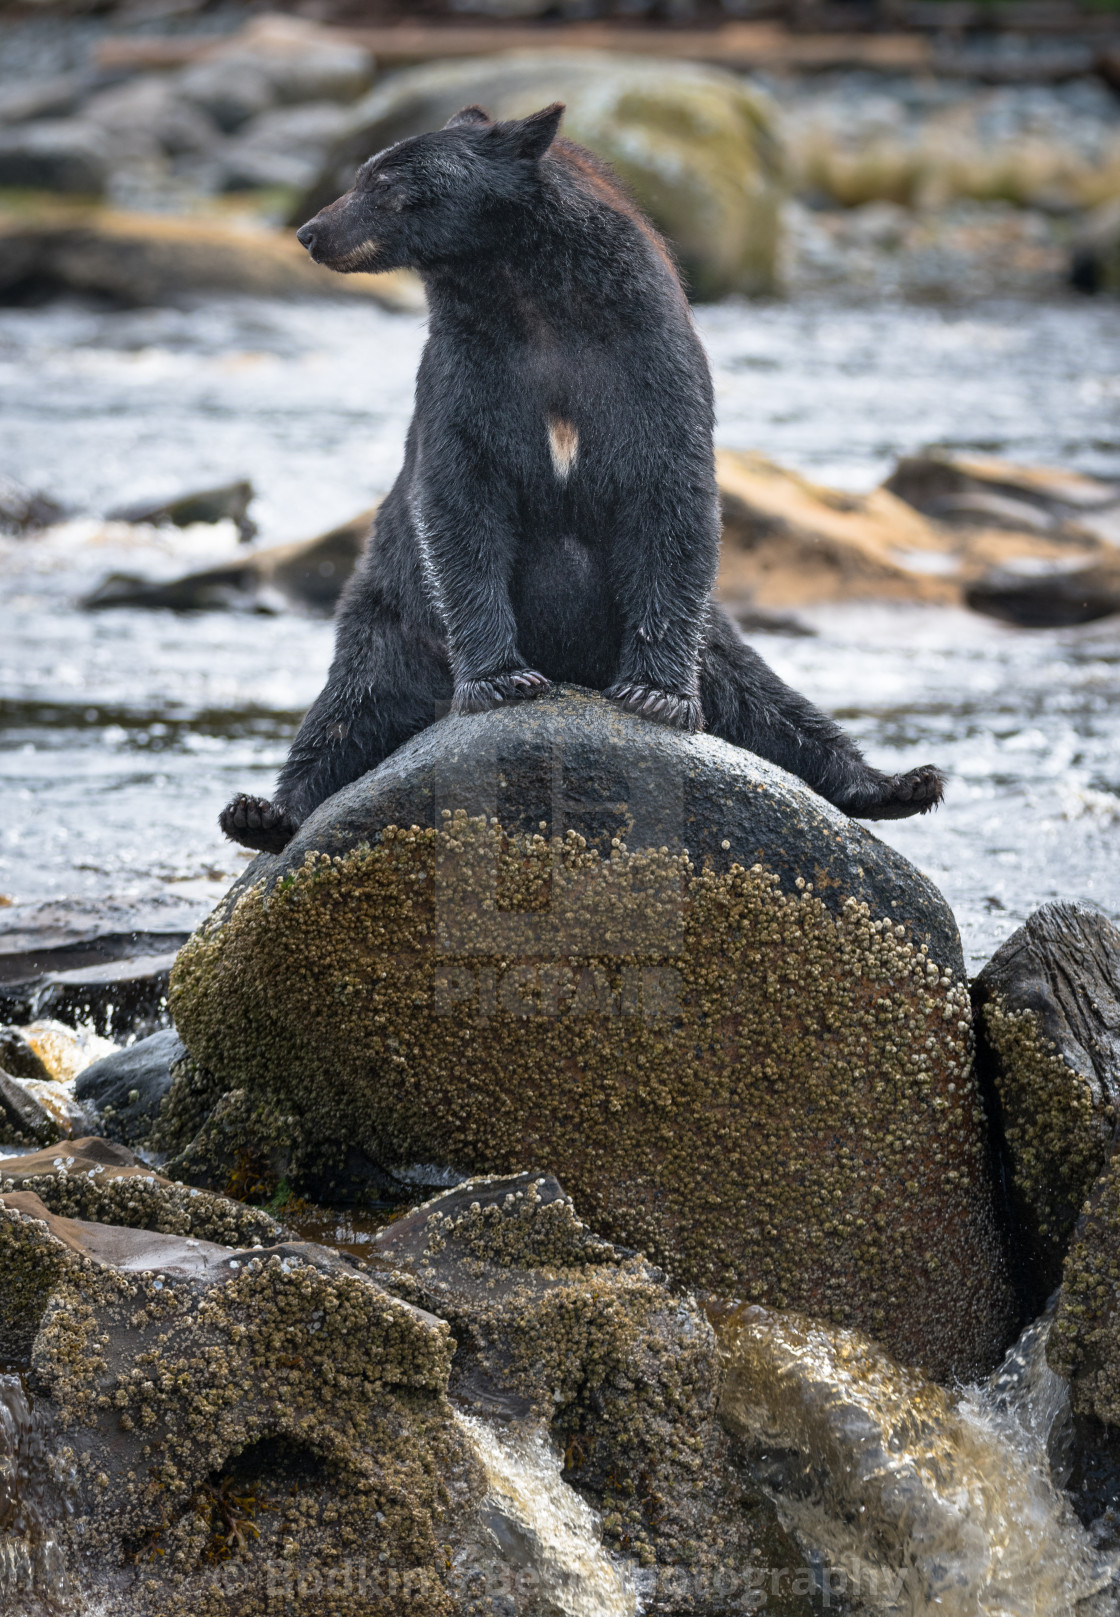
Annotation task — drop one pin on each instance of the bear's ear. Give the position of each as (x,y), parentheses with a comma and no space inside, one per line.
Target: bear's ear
(468,115)
(528,137)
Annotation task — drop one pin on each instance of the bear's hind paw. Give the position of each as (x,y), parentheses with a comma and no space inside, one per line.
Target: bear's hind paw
(900,796)
(256,823)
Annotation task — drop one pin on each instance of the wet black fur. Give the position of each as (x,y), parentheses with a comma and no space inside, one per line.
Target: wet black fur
(488,574)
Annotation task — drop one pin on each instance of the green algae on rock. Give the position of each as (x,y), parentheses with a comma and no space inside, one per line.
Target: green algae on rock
(1084,1344)
(732,1022)
(1049,1024)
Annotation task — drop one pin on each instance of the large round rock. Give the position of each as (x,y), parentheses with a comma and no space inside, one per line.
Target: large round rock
(560,938)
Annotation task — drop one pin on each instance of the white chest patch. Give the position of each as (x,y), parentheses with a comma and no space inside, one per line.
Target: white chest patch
(563,446)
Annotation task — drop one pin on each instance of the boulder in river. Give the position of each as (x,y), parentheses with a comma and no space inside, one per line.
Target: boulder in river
(1095,261)
(696,145)
(1048,1022)
(64,154)
(230,503)
(125,1089)
(561,938)
(984,491)
(1049,598)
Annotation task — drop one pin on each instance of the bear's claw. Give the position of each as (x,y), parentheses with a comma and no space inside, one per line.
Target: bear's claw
(254,822)
(666,707)
(480,695)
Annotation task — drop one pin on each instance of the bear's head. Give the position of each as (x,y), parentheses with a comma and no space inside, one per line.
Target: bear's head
(433,198)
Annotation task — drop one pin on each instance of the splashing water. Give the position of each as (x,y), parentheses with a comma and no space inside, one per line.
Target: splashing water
(918,1502)
(542,1526)
(32,1571)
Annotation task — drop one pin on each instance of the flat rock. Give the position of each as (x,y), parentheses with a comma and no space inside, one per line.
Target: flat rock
(1048,598)
(230,503)
(102,1181)
(730,1020)
(1048,1020)
(125,1089)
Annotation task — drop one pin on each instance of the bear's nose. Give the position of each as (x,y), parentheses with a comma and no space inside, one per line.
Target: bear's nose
(306,236)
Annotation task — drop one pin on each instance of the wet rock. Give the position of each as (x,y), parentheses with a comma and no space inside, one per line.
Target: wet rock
(285,146)
(554,1325)
(18,1056)
(275,60)
(52,964)
(914,1499)
(695,145)
(103,1181)
(1048,599)
(230,503)
(140,259)
(55,155)
(24,1120)
(42,98)
(24,510)
(308,575)
(1048,1017)
(1085,1341)
(126,1089)
(730,1020)
(1095,261)
(118,997)
(312,1432)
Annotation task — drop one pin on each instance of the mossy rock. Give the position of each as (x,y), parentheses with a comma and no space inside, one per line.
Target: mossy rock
(1048,1020)
(695,145)
(733,1023)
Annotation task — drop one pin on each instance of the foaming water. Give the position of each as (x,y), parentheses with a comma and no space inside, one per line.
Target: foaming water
(916,1501)
(542,1528)
(33,1575)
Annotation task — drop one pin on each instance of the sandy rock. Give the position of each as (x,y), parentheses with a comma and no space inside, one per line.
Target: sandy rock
(63,154)
(983,491)
(554,1325)
(125,1089)
(694,144)
(309,575)
(101,1180)
(1085,1341)
(138,259)
(750,1059)
(1048,1018)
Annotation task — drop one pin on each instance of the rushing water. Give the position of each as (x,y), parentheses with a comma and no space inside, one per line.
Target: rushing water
(121,734)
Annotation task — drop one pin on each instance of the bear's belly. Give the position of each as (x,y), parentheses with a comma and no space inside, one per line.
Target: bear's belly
(567,623)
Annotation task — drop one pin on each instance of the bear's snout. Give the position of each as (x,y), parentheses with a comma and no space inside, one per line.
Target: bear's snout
(306,235)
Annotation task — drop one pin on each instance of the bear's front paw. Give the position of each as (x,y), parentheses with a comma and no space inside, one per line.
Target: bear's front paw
(915,792)
(257,823)
(667,707)
(480,695)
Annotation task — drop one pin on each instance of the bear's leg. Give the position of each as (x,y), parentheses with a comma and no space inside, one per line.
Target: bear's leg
(386,683)
(746,703)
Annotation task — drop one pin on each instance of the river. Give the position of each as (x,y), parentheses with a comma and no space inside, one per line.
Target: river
(122,733)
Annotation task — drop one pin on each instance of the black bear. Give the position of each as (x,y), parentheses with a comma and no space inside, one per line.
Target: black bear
(556,517)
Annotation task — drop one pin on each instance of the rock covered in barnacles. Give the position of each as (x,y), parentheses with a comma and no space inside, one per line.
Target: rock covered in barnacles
(1049,1027)
(733,1023)
(558,1329)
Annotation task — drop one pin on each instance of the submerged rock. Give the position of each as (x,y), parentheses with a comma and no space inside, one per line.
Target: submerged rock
(695,145)
(126,1088)
(730,1020)
(1048,1005)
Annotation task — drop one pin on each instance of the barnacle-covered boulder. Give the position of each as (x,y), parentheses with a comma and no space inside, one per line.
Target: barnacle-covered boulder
(1084,1344)
(1048,1022)
(732,1022)
(559,1328)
